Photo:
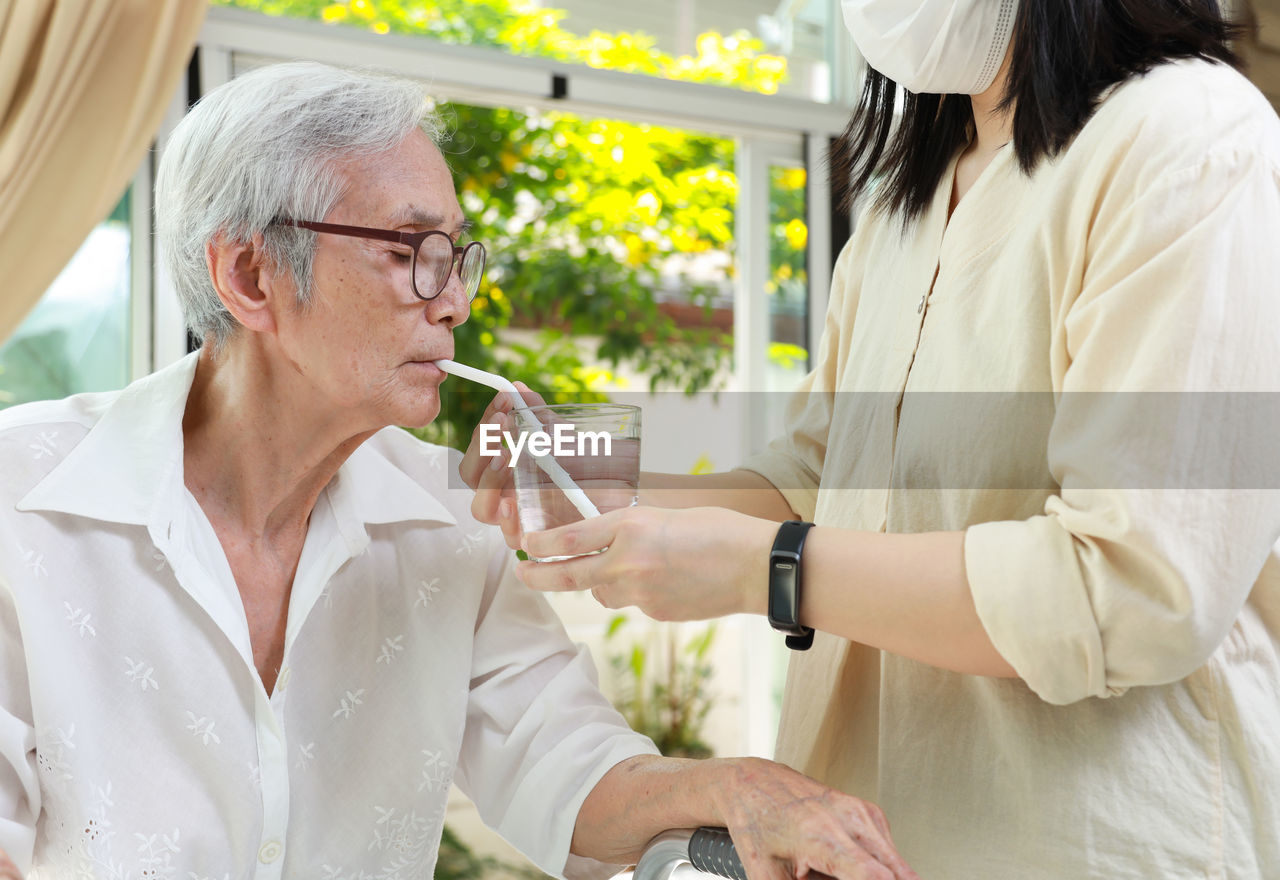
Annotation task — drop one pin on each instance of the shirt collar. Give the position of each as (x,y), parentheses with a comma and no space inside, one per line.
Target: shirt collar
(371,489)
(120,470)
(128,468)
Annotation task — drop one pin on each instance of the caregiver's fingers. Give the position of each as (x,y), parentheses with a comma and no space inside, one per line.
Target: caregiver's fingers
(577,538)
(565,575)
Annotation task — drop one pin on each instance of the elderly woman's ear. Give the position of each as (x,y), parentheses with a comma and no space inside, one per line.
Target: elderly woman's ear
(248,283)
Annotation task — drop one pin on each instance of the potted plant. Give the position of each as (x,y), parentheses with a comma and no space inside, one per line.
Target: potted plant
(661,683)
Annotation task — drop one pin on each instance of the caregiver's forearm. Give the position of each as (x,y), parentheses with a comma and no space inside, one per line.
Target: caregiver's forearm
(906,594)
(744,491)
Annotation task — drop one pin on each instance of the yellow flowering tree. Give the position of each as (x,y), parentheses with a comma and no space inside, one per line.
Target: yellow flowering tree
(593,226)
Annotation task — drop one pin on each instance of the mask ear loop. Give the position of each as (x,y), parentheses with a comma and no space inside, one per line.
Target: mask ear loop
(999,45)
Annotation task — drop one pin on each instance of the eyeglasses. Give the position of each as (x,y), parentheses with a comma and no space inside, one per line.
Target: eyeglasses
(434,255)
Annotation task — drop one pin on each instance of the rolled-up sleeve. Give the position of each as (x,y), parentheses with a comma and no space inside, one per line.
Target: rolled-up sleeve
(19,785)
(539,734)
(1163,443)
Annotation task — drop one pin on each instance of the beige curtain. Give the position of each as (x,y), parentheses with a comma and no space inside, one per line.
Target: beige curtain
(83,87)
(1263,53)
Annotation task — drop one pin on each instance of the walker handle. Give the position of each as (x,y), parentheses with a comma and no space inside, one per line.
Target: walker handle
(712,850)
(706,849)
(675,854)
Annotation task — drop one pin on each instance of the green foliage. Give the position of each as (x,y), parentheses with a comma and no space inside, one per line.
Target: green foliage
(123,209)
(457,861)
(525,29)
(591,224)
(788,237)
(662,685)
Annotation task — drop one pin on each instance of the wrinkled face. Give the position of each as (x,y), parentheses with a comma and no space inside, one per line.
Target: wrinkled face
(364,342)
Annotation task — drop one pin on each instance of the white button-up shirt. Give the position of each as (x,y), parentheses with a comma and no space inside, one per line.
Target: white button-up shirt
(136,737)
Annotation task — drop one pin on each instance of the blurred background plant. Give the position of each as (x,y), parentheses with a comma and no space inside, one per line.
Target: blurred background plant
(662,683)
(458,861)
(610,243)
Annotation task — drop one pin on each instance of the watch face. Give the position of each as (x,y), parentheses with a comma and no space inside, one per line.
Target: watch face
(782,594)
(784,578)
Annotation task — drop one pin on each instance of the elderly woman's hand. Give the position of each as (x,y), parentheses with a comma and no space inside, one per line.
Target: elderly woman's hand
(690,564)
(8,870)
(787,826)
(488,475)
(784,825)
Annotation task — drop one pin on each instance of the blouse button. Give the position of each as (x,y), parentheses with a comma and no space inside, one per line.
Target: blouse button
(270,852)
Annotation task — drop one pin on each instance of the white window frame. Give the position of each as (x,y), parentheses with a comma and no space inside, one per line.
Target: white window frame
(767,129)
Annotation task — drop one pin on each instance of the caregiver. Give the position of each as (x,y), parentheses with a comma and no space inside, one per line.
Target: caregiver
(1043,577)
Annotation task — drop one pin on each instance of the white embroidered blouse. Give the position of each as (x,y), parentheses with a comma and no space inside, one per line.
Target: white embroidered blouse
(136,737)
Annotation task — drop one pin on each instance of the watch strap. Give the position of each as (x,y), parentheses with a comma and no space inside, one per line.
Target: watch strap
(785,582)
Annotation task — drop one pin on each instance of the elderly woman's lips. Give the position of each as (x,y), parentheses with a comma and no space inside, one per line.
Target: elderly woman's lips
(428,367)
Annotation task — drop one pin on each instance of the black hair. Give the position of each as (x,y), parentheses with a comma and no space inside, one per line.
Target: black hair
(1065,54)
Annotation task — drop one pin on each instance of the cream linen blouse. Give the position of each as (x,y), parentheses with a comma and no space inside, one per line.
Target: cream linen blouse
(1069,393)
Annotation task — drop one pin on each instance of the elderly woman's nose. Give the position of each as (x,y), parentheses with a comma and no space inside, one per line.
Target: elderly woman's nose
(451,306)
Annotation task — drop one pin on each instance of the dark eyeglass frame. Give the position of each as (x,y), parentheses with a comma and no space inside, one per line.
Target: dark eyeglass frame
(409,239)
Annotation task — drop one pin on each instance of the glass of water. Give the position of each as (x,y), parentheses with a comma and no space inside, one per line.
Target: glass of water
(596,444)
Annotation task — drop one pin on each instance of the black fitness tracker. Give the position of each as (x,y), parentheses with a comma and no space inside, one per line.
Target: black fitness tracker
(784,584)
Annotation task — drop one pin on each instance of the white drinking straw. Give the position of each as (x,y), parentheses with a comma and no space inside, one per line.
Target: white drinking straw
(548,463)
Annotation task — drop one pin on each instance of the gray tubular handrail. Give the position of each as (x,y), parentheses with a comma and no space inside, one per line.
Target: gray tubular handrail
(707,849)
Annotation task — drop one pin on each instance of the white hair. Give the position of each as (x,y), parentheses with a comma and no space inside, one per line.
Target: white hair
(266,146)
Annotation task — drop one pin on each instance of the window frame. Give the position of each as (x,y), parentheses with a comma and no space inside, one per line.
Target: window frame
(766,128)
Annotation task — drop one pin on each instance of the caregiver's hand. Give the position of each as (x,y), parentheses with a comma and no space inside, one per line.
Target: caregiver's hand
(786,826)
(488,475)
(690,564)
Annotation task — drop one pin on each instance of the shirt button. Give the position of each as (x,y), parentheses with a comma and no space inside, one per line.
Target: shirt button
(282,680)
(270,851)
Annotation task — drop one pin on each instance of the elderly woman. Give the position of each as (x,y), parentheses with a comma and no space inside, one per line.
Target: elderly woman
(1042,594)
(246,629)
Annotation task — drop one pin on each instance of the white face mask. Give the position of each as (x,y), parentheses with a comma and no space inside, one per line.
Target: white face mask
(933,46)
